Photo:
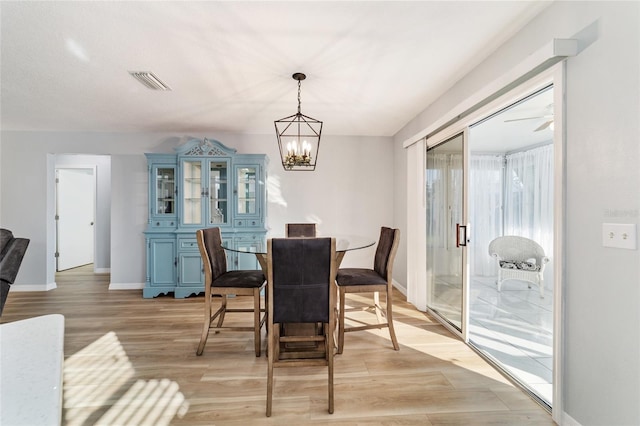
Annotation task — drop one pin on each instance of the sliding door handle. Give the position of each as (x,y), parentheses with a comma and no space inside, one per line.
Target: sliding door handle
(461,235)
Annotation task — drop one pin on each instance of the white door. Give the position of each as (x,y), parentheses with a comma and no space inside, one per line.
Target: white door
(75,200)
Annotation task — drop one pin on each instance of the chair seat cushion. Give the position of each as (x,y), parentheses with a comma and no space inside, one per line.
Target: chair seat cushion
(519,264)
(241,279)
(359,276)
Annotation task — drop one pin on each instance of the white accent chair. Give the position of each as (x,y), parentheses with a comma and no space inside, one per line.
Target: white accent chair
(519,258)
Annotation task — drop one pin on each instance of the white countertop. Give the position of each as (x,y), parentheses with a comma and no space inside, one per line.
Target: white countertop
(31,367)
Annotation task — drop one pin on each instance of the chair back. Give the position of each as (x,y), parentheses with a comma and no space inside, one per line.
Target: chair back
(214,258)
(300,229)
(301,274)
(512,247)
(386,252)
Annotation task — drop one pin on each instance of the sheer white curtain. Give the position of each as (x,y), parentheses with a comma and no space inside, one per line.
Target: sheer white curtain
(529,196)
(444,210)
(437,226)
(485,209)
(510,195)
(416,222)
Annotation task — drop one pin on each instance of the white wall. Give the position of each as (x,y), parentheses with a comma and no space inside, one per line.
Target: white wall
(349,193)
(602,285)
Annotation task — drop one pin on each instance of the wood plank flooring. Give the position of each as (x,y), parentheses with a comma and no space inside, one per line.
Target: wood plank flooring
(131,361)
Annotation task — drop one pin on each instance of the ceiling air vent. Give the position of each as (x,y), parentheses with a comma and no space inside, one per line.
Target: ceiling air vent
(149,80)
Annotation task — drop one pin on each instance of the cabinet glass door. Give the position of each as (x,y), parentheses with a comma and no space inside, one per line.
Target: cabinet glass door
(247,195)
(165,203)
(192,192)
(218,192)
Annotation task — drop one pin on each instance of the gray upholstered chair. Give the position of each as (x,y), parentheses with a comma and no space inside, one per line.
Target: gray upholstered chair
(301,289)
(300,229)
(220,282)
(377,280)
(12,251)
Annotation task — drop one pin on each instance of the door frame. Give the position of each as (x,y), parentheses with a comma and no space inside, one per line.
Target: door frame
(554,75)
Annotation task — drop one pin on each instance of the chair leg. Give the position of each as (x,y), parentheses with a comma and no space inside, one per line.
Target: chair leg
(266,318)
(206,327)
(275,341)
(341,321)
(330,352)
(256,321)
(270,358)
(223,310)
(376,306)
(392,332)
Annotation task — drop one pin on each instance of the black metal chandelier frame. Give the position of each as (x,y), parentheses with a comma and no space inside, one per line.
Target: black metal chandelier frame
(298,137)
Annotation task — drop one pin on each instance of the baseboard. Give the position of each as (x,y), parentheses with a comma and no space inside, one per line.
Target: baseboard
(102,270)
(33,287)
(567,420)
(126,286)
(400,288)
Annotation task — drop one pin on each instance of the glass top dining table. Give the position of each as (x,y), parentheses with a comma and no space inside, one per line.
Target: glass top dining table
(344,243)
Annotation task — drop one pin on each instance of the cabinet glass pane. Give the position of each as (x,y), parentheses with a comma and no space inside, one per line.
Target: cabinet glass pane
(246,190)
(192,192)
(165,191)
(218,193)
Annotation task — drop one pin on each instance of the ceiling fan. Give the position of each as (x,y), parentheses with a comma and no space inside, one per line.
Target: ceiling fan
(547,123)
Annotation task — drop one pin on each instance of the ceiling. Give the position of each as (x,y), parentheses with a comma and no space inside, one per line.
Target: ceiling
(371,66)
(528,122)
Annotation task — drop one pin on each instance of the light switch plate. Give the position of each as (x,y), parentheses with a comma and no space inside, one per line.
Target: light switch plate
(619,235)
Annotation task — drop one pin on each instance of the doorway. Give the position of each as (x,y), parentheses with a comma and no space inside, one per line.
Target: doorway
(495,177)
(75,217)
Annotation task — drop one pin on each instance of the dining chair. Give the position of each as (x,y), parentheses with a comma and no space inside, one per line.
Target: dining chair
(300,229)
(220,282)
(377,280)
(301,289)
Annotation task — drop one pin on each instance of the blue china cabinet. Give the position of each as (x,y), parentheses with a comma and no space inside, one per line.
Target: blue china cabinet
(204,184)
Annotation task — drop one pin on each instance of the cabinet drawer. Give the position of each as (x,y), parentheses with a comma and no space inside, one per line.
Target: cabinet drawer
(247,222)
(163,223)
(187,244)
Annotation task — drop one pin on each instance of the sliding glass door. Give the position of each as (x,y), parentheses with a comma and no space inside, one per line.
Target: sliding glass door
(490,192)
(446,231)
(511,209)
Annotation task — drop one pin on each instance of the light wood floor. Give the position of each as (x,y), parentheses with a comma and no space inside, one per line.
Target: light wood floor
(130,360)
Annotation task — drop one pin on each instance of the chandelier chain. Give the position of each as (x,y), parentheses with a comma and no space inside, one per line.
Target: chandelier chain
(299,84)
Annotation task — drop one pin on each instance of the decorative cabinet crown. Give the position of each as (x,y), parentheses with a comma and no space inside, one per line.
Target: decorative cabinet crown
(205,148)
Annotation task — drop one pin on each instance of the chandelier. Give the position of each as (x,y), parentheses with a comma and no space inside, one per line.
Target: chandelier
(298,137)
